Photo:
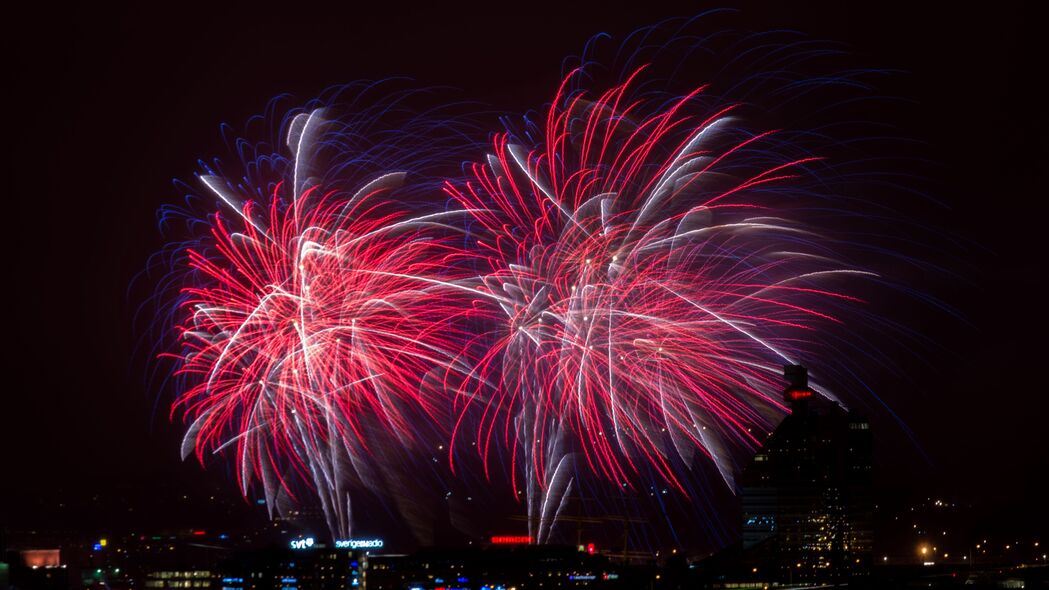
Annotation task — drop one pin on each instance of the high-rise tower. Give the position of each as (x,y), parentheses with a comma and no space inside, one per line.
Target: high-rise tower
(806,495)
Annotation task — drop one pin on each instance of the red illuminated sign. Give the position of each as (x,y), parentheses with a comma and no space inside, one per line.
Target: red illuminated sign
(796,394)
(511,540)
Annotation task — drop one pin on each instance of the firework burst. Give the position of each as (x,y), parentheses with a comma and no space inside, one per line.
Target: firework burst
(319,320)
(651,284)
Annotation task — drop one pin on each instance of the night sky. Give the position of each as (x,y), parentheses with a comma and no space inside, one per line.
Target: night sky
(107,105)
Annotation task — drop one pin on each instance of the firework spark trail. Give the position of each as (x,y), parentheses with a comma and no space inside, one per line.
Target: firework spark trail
(651,288)
(320,316)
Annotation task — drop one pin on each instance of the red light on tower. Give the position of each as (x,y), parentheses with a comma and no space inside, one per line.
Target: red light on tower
(797,390)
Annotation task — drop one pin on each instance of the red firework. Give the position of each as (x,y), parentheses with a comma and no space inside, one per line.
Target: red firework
(652,285)
(315,335)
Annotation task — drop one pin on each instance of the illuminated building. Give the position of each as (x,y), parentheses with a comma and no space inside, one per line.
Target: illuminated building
(181,579)
(807,505)
(41,558)
(503,565)
(305,564)
(38,568)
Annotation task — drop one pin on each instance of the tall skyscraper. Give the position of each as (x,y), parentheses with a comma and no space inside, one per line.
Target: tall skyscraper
(807,498)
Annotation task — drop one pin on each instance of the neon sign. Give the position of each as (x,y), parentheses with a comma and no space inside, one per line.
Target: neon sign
(302,543)
(359,543)
(511,540)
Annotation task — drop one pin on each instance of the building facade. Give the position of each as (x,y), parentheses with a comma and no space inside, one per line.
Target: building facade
(807,494)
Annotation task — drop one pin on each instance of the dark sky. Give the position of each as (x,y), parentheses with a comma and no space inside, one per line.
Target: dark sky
(107,105)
